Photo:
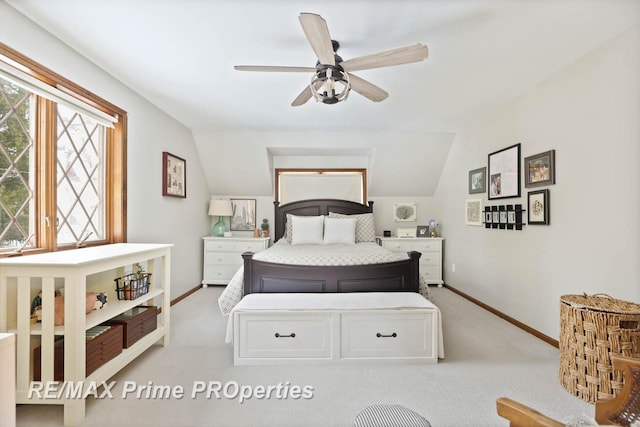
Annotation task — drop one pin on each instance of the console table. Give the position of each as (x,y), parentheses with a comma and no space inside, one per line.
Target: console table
(74,273)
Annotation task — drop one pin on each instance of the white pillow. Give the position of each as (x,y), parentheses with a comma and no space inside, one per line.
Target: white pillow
(306,230)
(365,226)
(340,230)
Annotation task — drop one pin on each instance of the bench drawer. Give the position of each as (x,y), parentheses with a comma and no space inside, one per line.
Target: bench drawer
(286,335)
(387,335)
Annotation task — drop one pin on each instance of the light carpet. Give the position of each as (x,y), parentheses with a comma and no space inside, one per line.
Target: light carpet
(486,357)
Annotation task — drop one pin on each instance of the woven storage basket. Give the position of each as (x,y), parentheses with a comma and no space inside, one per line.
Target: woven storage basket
(592,329)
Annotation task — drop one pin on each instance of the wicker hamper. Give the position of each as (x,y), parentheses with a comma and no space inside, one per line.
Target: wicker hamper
(592,328)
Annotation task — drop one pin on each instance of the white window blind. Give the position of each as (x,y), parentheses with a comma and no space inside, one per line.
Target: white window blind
(41,88)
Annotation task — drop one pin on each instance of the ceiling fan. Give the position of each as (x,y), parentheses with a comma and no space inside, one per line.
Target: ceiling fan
(333,78)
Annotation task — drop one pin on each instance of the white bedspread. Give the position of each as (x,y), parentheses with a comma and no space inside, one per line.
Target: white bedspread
(285,253)
(333,301)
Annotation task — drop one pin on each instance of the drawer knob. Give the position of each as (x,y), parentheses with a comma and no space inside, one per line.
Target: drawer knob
(393,335)
(291,335)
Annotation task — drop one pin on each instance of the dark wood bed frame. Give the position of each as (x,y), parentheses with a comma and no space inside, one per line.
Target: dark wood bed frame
(266,277)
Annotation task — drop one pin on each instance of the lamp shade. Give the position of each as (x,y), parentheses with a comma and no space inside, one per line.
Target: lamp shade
(220,207)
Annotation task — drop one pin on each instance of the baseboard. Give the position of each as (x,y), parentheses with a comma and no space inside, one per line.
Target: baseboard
(184,295)
(509,319)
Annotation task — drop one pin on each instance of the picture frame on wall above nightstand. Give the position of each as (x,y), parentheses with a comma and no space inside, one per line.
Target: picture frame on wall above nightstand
(473,212)
(405,212)
(244,214)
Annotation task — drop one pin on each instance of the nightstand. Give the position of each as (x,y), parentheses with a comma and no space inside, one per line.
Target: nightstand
(430,248)
(223,256)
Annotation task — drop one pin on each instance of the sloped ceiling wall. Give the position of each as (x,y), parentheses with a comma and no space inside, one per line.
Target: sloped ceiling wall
(398,164)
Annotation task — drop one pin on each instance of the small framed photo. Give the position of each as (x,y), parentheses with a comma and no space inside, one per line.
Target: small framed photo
(488,217)
(473,212)
(478,180)
(243,216)
(404,212)
(174,175)
(511,217)
(422,231)
(540,169)
(496,217)
(538,210)
(503,217)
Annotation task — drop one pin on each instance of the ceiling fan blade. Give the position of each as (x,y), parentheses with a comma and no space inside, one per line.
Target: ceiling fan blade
(317,32)
(269,68)
(304,96)
(367,89)
(398,56)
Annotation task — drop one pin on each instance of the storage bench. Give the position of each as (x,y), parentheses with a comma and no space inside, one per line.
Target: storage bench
(383,327)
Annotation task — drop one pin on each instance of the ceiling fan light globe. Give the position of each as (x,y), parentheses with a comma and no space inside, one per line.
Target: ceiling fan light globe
(330,85)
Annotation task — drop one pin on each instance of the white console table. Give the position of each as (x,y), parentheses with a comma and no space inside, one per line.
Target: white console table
(7,388)
(75,272)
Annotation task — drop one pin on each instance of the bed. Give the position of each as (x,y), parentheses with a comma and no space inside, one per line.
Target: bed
(382,271)
(269,277)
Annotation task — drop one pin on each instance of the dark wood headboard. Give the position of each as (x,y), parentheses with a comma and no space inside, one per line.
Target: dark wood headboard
(315,207)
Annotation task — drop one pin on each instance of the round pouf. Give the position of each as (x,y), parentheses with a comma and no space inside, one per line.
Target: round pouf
(389,416)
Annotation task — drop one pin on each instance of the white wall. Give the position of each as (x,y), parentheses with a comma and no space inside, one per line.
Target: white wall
(150,217)
(589,113)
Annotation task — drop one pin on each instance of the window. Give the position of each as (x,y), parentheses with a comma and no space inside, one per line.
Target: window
(62,161)
(299,184)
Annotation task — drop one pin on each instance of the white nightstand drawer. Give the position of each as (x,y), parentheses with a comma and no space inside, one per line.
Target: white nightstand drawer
(427,245)
(431,273)
(220,245)
(223,258)
(220,272)
(387,334)
(249,246)
(397,246)
(299,335)
(431,259)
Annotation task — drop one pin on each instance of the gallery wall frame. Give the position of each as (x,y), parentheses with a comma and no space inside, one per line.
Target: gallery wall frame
(504,173)
(540,169)
(473,214)
(538,207)
(478,180)
(174,175)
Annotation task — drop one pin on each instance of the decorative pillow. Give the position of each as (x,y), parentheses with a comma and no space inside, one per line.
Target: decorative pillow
(306,230)
(365,226)
(287,228)
(340,230)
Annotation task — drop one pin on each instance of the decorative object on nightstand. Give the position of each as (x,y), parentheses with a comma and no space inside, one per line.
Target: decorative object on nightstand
(433,227)
(220,208)
(265,227)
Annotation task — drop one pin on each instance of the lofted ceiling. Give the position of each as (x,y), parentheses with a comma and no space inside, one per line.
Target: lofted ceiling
(180,54)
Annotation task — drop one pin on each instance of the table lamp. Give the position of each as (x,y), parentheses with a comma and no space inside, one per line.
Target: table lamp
(221,208)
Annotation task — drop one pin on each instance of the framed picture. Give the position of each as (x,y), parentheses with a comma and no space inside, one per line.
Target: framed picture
(243,217)
(422,231)
(504,173)
(540,169)
(478,180)
(538,210)
(404,212)
(511,217)
(174,175)
(473,212)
